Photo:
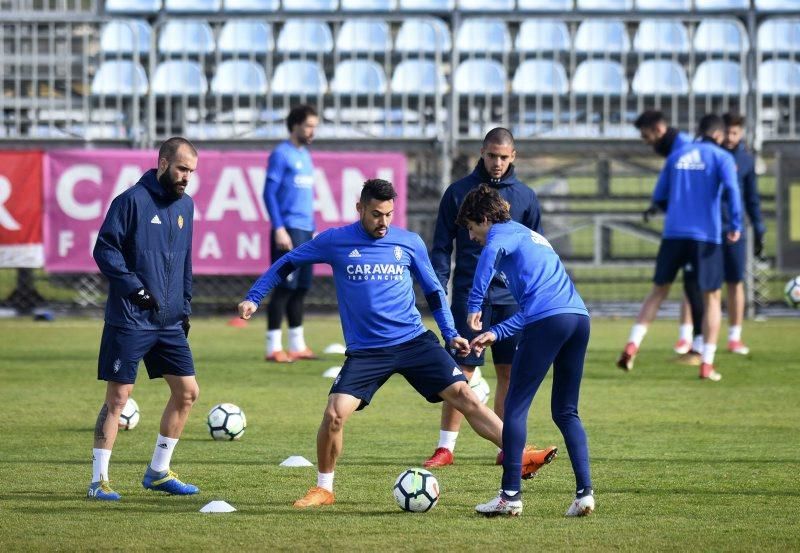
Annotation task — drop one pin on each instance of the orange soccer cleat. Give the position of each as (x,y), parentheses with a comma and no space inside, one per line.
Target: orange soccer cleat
(707,372)
(533,459)
(738,347)
(440,458)
(315,497)
(682,346)
(305,354)
(279,356)
(625,361)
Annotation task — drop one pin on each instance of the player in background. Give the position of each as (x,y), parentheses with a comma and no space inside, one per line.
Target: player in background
(553,325)
(689,189)
(372,266)
(495,168)
(289,197)
(144,248)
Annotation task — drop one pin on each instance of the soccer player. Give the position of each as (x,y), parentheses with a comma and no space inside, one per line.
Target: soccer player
(495,168)
(689,188)
(372,267)
(553,325)
(289,197)
(144,248)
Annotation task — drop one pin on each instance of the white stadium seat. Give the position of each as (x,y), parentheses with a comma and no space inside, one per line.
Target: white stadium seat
(779,77)
(125,36)
(192,6)
(305,36)
(486,5)
(779,36)
(480,77)
(481,35)
(718,78)
(178,78)
(778,5)
(358,77)
(660,78)
(364,35)
(369,5)
(185,36)
(425,35)
(418,77)
(720,35)
(664,5)
(119,77)
(299,77)
(721,5)
(245,36)
(133,6)
(542,35)
(540,77)
(242,77)
(545,5)
(251,5)
(310,5)
(600,78)
(602,35)
(605,5)
(664,36)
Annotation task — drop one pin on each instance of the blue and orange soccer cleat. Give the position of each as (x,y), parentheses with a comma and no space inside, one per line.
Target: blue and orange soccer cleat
(102,490)
(167,482)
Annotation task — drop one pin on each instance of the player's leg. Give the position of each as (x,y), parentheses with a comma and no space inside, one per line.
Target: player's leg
(694,296)
(710,273)
(301,280)
(275,309)
(685,334)
(503,356)
(734,259)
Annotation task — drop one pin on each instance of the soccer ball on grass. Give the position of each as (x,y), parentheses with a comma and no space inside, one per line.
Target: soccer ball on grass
(129,417)
(226,421)
(791,292)
(416,490)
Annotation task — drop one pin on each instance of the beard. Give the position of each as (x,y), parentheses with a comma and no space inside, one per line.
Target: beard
(170,186)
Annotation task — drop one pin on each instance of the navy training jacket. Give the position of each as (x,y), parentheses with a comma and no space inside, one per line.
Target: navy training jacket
(748,186)
(524,210)
(146,241)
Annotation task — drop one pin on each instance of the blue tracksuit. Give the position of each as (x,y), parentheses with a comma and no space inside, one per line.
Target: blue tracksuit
(555,330)
(746,171)
(289,187)
(146,241)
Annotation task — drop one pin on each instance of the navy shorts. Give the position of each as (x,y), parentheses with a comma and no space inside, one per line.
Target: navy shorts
(502,351)
(422,361)
(301,278)
(702,258)
(163,351)
(734,257)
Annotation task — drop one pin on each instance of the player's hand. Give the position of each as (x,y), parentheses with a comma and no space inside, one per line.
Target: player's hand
(733,236)
(483,341)
(758,245)
(460,345)
(246,309)
(185,325)
(651,211)
(144,299)
(474,321)
(282,239)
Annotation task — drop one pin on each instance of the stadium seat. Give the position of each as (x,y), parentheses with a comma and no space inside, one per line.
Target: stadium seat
(660,78)
(718,78)
(540,77)
(779,36)
(305,36)
(125,36)
(480,77)
(720,36)
(428,5)
(602,35)
(778,5)
(310,5)
(779,78)
(369,5)
(242,77)
(481,35)
(178,78)
(663,5)
(545,5)
(185,36)
(133,6)
(192,6)
(426,35)
(119,78)
(418,77)
(664,36)
(358,77)
(486,5)
(245,36)
(605,5)
(300,77)
(251,5)
(721,5)
(364,35)
(542,35)
(600,78)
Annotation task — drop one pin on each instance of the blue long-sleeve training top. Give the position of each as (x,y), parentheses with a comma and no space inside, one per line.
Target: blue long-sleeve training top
(526,261)
(374,288)
(289,187)
(748,186)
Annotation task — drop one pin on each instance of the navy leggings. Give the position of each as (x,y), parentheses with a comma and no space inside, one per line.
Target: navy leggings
(559,340)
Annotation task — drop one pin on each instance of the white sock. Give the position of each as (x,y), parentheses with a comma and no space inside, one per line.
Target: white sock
(685,332)
(162,453)
(511,493)
(296,340)
(697,343)
(274,341)
(735,333)
(447,439)
(708,353)
(637,334)
(325,480)
(100,459)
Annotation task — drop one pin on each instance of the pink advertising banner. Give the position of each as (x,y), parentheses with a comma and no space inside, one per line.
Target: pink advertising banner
(231,225)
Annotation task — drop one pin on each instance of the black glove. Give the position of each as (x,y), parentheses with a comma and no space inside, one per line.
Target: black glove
(185,325)
(143,299)
(649,212)
(758,245)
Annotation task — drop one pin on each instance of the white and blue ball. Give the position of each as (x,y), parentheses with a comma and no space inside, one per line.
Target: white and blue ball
(226,421)
(129,417)
(416,490)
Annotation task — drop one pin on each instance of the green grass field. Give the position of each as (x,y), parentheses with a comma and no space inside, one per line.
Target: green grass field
(677,463)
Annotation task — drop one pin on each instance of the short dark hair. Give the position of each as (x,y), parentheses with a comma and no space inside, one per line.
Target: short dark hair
(482,203)
(733,119)
(377,189)
(170,147)
(709,124)
(499,136)
(649,118)
(299,114)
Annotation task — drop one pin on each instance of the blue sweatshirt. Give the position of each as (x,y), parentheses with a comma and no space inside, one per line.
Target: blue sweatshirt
(146,241)
(374,288)
(689,188)
(748,186)
(289,187)
(526,261)
(524,209)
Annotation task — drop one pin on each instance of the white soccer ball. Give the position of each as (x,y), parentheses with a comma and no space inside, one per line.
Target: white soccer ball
(226,421)
(791,292)
(129,417)
(416,490)
(480,386)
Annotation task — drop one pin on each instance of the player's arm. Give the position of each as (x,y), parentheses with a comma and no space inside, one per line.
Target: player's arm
(276,167)
(110,243)
(187,269)
(752,202)
(443,236)
(484,273)
(533,215)
(661,191)
(730,186)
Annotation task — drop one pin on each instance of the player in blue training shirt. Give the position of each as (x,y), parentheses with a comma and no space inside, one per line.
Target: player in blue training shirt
(289,197)
(553,325)
(689,189)
(372,268)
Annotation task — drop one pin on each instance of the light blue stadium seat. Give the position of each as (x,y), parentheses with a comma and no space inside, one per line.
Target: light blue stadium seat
(178,78)
(423,35)
(545,5)
(428,5)
(545,35)
(778,5)
(245,36)
(305,36)
(364,35)
(660,78)
(242,77)
(125,36)
(482,35)
(540,77)
(480,77)
(418,77)
(358,77)
(779,78)
(602,35)
(299,77)
(133,6)
(600,78)
(777,36)
(720,36)
(192,6)
(604,5)
(119,77)
(179,36)
(251,5)
(663,5)
(721,5)
(718,78)
(486,5)
(664,36)
(310,5)
(369,5)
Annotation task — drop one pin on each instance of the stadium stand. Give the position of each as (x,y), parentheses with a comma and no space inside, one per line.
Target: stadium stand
(303,36)
(719,78)
(125,37)
(721,36)
(661,36)
(602,36)
(660,77)
(244,36)
(120,78)
(422,36)
(364,36)
(483,36)
(185,37)
(779,36)
(299,78)
(542,35)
